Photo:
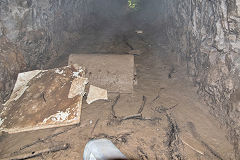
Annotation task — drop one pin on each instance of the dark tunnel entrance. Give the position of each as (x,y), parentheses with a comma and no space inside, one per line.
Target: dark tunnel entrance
(183,66)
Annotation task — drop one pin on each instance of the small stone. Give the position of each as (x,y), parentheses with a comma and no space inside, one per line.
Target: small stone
(139,31)
(95,94)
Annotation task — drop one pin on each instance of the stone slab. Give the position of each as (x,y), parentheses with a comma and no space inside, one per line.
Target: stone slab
(44,99)
(114,73)
(96,93)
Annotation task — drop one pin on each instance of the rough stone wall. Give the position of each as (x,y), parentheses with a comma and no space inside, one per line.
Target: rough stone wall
(43,30)
(11,62)
(42,26)
(40,29)
(205,33)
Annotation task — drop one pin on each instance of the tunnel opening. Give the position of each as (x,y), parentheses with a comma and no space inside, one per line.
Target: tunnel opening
(186,56)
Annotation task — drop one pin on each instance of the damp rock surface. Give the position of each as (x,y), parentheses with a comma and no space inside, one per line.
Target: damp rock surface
(206,35)
(50,29)
(11,62)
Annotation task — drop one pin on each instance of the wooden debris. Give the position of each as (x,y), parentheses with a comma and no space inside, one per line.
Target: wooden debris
(196,150)
(161,109)
(135,116)
(138,116)
(151,118)
(157,97)
(94,126)
(39,153)
(172,142)
(119,138)
(43,96)
(142,155)
(114,103)
(42,140)
(142,105)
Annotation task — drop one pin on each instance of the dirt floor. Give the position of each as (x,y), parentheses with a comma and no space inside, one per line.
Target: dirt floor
(175,122)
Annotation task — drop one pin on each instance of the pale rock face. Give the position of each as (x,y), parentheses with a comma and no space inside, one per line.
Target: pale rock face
(235,99)
(238,6)
(220,36)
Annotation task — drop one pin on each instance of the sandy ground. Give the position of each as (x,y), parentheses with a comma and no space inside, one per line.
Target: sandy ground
(176,124)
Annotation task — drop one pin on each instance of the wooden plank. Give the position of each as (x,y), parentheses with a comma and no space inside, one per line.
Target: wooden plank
(50,98)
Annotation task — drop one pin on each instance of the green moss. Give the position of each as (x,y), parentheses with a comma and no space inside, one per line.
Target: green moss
(133,4)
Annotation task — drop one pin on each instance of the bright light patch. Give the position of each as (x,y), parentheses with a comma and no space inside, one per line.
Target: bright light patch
(131,4)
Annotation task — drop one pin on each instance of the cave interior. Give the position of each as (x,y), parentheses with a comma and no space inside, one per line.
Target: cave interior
(187,71)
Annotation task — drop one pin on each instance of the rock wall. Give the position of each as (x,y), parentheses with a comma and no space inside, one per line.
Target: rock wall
(43,30)
(40,30)
(39,27)
(205,33)
(11,62)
